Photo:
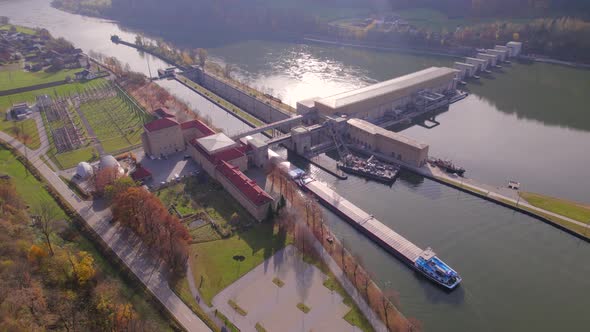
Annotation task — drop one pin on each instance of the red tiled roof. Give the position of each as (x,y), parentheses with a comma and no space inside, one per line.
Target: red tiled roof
(160,124)
(163,112)
(244,184)
(203,128)
(140,173)
(229,154)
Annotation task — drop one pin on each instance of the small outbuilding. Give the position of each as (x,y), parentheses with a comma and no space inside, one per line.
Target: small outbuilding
(141,174)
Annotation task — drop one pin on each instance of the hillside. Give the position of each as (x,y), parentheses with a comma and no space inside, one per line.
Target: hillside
(51,276)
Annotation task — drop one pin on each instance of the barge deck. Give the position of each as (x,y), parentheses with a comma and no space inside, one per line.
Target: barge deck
(388,239)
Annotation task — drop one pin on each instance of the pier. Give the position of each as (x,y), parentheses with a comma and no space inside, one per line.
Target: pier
(366,223)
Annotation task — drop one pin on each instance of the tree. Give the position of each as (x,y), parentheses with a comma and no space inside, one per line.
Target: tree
(47,213)
(36,254)
(4,20)
(186,58)
(270,214)
(118,186)
(227,70)
(138,41)
(234,219)
(202,55)
(9,197)
(82,267)
(103,178)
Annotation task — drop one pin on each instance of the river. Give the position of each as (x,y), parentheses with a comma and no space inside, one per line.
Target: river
(529,122)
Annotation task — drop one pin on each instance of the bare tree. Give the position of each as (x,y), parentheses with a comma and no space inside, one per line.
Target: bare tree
(202,55)
(47,213)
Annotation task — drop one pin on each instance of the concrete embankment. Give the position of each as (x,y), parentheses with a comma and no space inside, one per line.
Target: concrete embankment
(482,192)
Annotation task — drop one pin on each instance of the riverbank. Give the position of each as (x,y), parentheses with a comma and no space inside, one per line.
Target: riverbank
(407,49)
(578,229)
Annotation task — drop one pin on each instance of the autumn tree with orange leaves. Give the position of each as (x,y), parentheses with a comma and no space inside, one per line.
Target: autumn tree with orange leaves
(147,217)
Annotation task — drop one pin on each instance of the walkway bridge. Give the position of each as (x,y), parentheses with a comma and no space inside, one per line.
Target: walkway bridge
(286,137)
(266,127)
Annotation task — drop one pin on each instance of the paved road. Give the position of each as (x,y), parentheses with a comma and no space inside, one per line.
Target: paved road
(122,241)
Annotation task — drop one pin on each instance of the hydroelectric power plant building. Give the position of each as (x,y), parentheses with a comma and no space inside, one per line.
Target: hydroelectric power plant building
(374,101)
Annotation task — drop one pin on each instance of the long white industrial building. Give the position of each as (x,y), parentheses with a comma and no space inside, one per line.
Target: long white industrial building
(373,101)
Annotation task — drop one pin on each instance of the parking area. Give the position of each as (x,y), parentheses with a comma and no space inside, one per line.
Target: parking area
(174,166)
(274,307)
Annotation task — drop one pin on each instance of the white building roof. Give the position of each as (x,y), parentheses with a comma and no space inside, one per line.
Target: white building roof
(215,143)
(108,161)
(376,130)
(84,170)
(386,87)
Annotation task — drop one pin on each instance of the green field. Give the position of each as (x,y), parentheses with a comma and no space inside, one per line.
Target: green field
(25,131)
(573,210)
(26,184)
(434,20)
(18,78)
(19,28)
(7,101)
(70,158)
(213,262)
(194,197)
(117,123)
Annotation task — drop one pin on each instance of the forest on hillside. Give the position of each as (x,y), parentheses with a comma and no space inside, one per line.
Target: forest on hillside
(555,28)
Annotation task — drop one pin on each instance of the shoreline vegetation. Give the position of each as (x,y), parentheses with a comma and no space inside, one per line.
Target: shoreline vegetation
(561,32)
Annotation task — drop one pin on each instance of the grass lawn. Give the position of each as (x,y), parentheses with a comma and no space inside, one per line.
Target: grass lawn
(434,20)
(12,79)
(117,124)
(70,159)
(259,328)
(564,207)
(191,196)
(25,131)
(237,308)
(62,160)
(278,282)
(305,309)
(19,28)
(204,233)
(573,227)
(213,265)
(7,101)
(26,184)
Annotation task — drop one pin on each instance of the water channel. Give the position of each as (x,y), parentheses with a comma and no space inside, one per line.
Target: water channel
(528,122)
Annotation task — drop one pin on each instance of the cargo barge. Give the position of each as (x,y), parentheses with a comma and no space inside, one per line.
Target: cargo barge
(371,168)
(423,261)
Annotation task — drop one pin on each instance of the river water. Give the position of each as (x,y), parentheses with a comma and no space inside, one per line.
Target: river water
(528,122)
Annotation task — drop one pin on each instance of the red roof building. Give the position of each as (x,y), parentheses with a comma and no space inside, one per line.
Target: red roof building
(200,126)
(159,124)
(229,154)
(141,173)
(244,184)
